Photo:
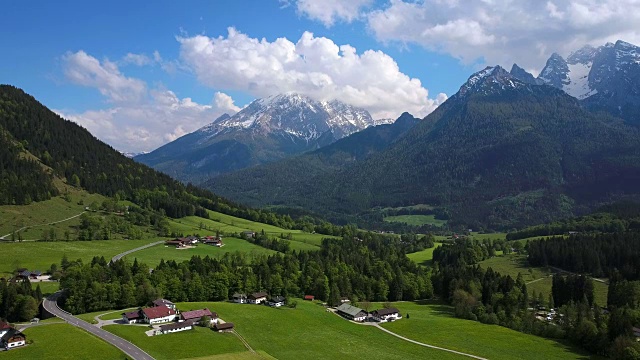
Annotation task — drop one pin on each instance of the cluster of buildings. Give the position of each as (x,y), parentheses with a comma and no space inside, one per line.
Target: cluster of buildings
(164,311)
(193,240)
(258,298)
(353,313)
(10,337)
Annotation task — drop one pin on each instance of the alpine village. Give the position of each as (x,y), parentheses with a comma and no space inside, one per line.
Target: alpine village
(179,181)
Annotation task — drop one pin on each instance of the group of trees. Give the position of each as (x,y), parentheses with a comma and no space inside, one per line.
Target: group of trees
(595,254)
(372,267)
(18,301)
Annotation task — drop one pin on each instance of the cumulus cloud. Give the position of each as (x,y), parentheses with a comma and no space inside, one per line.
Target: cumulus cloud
(330,11)
(136,59)
(85,70)
(506,31)
(142,122)
(314,66)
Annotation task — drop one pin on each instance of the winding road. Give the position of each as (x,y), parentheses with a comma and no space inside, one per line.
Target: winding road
(50,304)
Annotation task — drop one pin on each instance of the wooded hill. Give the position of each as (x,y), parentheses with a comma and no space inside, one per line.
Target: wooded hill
(40,151)
(499,154)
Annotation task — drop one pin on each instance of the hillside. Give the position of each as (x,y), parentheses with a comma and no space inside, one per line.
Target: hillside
(500,153)
(267,130)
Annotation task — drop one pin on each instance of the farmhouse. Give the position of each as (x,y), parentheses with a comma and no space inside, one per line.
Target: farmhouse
(175,327)
(180,242)
(351,312)
(133,317)
(309,297)
(12,339)
(276,301)
(158,314)
(257,298)
(249,234)
(164,302)
(383,315)
(214,242)
(240,298)
(4,328)
(196,315)
(224,327)
(26,274)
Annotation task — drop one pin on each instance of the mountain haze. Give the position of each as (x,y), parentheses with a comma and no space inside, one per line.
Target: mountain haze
(266,130)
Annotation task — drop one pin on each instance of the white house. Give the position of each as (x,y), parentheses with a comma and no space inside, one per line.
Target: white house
(240,298)
(384,315)
(13,339)
(158,314)
(164,302)
(132,317)
(257,298)
(351,312)
(194,316)
(276,301)
(175,327)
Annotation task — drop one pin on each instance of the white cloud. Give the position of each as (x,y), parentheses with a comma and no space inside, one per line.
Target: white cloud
(143,122)
(137,59)
(330,11)
(506,31)
(314,66)
(85,70)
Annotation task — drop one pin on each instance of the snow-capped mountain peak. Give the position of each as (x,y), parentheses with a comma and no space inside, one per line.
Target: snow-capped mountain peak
(571,75)
(489,80)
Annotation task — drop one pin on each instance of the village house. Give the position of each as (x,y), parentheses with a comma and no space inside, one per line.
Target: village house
(26,274)
(175,327)
(224,327)
(214,242)
(13,339)
(196,315)
(249,234)
(158,314)
(276,301)
(4,328)
(164,302)
(192,239)
(257,298)
(351,312)
(178,243)
(309,297)
(384,315)
(240,298)
(133,317)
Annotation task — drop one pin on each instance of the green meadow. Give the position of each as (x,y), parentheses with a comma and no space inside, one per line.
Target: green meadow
(416,220)
(425,256)
(435,324)
(62,342)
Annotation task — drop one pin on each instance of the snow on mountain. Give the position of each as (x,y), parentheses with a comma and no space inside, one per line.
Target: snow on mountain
(490,80)
(297,115)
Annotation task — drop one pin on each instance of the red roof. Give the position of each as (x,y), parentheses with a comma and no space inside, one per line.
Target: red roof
(158,312)
(132,315)
(4,325)
(197,314)
(309,297)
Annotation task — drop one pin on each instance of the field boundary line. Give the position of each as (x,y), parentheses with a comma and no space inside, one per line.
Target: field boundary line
(32,226)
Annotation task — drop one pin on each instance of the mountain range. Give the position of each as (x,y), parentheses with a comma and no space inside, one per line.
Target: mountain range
(501,153)
(266,130)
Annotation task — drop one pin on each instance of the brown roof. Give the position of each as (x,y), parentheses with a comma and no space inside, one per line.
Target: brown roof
(4,325)
(309,297)
(158,312)
(224,326)
(383,312)
(258,295)
(132,315)
(197,314)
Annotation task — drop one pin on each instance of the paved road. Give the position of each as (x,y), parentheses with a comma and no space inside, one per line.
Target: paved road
(51,223)
(120,256)
(50,304)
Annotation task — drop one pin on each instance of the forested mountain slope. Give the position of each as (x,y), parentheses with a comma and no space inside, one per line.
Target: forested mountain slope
(500,153)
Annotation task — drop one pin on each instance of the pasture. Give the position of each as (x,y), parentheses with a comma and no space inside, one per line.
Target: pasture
(434,323)
(62,342)
(416,220)
(40,255)
(152,256)
(425,256)
(197,343)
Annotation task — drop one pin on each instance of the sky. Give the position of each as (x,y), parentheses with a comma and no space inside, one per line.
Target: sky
(141,74)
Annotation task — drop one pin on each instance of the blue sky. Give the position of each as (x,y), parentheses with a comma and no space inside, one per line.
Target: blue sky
(140,74)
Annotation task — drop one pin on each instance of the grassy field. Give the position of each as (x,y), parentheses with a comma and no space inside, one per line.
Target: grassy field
(196,343)
(310,332)
(434,324)
(423,257)
(152,256)
(538,279)
(63,341)
(416,220)
(40,255)
(48,287)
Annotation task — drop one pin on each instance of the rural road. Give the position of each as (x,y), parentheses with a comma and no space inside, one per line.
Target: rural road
(51,223)
(572,273)
(121,255)
(50,304)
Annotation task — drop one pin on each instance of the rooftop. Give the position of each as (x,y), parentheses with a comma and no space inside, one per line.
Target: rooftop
(158,312)
(383,312)
(197,314)
(349,309)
